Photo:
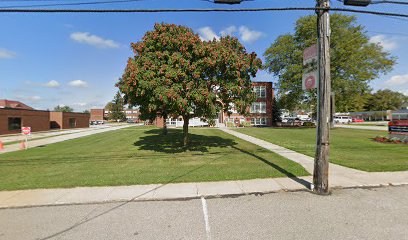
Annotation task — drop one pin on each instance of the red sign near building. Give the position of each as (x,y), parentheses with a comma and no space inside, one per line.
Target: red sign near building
(26,130)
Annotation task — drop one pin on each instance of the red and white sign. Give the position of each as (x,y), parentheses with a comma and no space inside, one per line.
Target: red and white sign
(309,80)
(26,130)
(310,54)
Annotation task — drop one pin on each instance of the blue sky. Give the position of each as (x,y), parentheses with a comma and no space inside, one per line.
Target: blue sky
(75,59)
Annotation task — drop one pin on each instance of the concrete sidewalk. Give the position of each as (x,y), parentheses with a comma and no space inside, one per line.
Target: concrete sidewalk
(178,191)
(62,137)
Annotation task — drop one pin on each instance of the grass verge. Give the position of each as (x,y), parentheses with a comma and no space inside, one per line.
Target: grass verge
(352,148)
(141,155)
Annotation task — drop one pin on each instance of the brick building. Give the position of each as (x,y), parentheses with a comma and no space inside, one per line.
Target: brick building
(97,114)
(66,120)
(260,112)
(14,115)
(102,114)
(11,120)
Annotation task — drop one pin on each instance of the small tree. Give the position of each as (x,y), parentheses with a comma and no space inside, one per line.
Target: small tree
(173,72)
(86,111)
(276,112)
(63,108)
(116,107)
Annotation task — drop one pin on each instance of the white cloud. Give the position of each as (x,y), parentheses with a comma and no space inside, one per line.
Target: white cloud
(29,98)
(248,35)
(4,53)
(228,31)
(94,40)
(51,84)
(207,34)
(397,80)
(81,104)
(78,83)
(386,42)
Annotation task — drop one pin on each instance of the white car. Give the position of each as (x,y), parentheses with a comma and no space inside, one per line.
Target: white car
(342,119)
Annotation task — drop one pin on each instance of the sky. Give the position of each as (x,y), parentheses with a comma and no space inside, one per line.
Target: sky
(75,59)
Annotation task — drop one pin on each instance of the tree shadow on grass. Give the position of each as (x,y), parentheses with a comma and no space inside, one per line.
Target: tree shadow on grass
(278,168)
(173,142)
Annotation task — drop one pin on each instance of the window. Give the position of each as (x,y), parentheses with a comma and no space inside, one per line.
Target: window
(14,123)
(258,121)
(260,91)
(72,122)
(258,107)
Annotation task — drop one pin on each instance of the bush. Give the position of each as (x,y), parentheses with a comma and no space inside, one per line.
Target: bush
(309,124)
(211,122)
(396,140)
(246,124)
(230,124)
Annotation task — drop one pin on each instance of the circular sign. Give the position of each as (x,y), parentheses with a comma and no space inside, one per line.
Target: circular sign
(26,130)
(310,82)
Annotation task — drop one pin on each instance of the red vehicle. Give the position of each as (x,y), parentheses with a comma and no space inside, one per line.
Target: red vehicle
(357,120)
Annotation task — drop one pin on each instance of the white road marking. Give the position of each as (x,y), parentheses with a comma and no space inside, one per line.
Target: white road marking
(207,222)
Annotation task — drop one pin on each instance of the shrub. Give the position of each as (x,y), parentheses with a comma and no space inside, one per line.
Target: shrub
(230,124)
(309,124)
(246,124)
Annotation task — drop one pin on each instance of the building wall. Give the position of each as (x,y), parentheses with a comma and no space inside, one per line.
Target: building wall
(37,120)
(62,119)
(235,117)
(97,114)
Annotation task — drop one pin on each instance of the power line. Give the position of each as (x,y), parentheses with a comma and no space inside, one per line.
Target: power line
(69,4)
(389,33)
(17,10)
(389,2)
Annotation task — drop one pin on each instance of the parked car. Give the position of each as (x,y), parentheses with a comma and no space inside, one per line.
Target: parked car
(290,119)
(342,119)
(357,120)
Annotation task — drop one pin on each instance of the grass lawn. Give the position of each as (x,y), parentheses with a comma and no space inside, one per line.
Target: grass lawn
(140,155)
(349,147)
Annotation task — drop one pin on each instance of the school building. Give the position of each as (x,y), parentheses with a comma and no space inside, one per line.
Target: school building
(259,114)
(15,114)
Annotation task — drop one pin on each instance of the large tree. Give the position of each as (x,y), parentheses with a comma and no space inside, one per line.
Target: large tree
(385,100)
(354,62)
(174,73)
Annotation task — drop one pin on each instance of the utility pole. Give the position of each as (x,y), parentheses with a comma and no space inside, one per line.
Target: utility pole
(321,164)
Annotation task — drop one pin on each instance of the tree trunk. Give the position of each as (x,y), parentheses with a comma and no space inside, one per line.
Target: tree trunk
(185,130)
(164,124)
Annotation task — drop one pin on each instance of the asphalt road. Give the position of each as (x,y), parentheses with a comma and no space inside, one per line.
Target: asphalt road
(376,213)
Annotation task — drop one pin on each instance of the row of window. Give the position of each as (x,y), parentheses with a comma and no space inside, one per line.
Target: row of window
(127,112)
(258,107)
(258,121)
(254,121)
(14,123)
(260,91)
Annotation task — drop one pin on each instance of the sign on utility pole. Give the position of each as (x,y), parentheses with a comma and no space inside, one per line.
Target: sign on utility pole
(309,78)
(321,164)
